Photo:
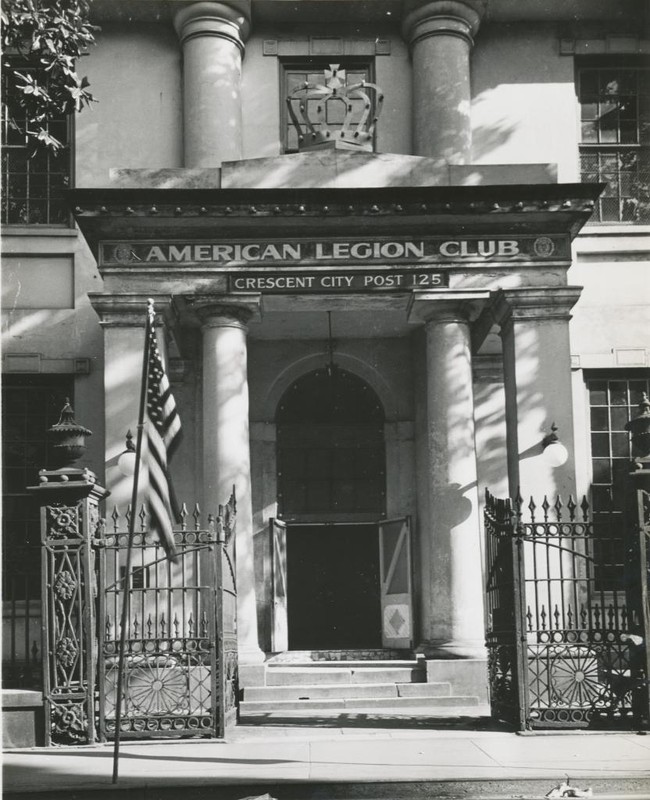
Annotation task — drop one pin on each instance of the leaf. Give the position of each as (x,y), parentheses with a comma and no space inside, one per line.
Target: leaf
(45,38)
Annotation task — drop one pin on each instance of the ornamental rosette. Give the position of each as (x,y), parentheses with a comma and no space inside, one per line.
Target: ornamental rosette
(69,724)
(63,521)
(66,651)
(65,585)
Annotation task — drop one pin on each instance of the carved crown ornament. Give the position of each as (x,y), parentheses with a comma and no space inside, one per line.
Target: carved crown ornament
(334,113)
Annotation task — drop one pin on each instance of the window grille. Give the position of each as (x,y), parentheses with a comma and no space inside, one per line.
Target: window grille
(613,400)
(33,180)
(30,405)
(615,139)
(311,70)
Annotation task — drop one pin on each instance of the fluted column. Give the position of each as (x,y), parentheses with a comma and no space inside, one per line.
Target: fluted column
(212,36)
(441,34)
(226,446)
(451,571)
(537,373)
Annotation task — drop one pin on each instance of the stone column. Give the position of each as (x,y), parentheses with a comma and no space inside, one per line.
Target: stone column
(537,373)
(226,445)
(452,578)
(212,36)
(441,34)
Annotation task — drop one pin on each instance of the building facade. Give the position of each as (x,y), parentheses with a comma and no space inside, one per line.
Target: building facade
(363,332)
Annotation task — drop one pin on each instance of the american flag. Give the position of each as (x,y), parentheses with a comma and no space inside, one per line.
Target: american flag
(162,434)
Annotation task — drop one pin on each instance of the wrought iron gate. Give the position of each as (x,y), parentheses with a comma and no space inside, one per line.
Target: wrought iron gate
(180,668)
(563,645)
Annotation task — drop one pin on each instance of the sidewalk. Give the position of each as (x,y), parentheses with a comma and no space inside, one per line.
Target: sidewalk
(301,761)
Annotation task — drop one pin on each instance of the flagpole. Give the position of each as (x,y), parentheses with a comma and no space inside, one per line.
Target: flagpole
(129,550)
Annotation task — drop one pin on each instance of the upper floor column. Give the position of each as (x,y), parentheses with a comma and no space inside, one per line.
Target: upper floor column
(441,34)
(212,36)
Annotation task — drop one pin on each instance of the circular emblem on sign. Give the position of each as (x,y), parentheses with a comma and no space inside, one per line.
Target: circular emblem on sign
(123,253)
(544,246)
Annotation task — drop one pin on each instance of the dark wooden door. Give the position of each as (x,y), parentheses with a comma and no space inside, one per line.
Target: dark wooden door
(333,587)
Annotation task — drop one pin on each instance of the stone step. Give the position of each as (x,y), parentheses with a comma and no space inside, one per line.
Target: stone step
(251,708)
(294,656)
(345,691)
(347,664)
(313,675)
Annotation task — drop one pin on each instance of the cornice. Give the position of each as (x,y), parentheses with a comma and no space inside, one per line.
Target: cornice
(179,204)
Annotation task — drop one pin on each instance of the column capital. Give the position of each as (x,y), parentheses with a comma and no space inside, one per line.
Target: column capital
(538,303)
(229,21)
(220,311)
(424,18)
(442,305)
(128,310)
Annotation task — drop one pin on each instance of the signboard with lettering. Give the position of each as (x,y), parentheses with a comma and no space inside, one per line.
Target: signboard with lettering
(286,281)
(334,252)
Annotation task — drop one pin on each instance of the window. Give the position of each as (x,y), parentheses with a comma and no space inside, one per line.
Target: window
(613,401)
(33,182)
(615,139)
(311,71)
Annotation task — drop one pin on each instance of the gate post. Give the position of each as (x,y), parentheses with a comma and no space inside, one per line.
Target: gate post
(69,498)
(638,559)
(226,588)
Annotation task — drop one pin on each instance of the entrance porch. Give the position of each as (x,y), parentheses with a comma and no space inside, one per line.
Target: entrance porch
(347,282)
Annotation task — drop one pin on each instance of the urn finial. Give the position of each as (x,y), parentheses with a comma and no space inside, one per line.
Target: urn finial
(68,438)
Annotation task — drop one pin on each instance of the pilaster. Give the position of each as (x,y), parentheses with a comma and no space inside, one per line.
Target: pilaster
(537,373)
(123,319)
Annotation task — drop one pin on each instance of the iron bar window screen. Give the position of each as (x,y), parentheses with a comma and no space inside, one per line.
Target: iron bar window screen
(311,70)
(30,405)
(615,139)
(33,181)
(613,401)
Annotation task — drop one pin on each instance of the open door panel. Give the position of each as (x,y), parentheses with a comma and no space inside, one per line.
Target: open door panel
(396,583)
(280,630)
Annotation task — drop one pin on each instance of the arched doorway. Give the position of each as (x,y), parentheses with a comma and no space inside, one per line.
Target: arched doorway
(331,494)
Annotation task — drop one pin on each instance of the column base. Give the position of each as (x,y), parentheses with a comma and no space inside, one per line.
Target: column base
(468,677)
(250,656)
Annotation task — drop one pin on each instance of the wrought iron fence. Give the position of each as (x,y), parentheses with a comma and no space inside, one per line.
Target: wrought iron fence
(180,669)
(562,642)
